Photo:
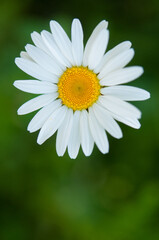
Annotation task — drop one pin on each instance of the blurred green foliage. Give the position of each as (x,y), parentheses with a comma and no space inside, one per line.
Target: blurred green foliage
(113,196)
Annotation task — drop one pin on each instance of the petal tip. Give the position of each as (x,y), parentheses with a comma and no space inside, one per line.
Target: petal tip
(142,70)
(33,33)
(15,84)
(19,112)
(28,46)
(132,51)
(148,95)
(105,23)
(17,60)
(119,136)
(75,20)
(29,128)
(39,141)
(129,44)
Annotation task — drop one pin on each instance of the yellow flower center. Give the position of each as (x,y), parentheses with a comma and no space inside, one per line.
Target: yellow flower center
(78,88)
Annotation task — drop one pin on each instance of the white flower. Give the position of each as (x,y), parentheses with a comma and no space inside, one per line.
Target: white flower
(81,92)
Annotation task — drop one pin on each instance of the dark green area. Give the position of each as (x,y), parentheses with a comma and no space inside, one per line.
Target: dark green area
(103,197)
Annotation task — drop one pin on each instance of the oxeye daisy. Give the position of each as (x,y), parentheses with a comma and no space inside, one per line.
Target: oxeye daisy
(81,95)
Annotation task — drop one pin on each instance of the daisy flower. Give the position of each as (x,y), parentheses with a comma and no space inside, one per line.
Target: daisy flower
(81,96)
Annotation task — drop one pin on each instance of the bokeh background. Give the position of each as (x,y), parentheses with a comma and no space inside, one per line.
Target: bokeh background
(113,196)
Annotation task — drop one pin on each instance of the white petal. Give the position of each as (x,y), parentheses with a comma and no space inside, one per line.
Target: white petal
(112,53)
(121,76)
(38,41)
(107,121)
(50,42)
(119,107)
(62,40)
(98,48)
(102,25)
(44,60)
(74,140)
(130,121)
(98,133)
(25,56)
(87,142)
(35,86)
(52,124)
(77,42)
(117,62)
(35,70)
(126,93)
(63,133)
(36,103)
(41,116)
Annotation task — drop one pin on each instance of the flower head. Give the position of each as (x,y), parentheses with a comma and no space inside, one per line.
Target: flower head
(81,95)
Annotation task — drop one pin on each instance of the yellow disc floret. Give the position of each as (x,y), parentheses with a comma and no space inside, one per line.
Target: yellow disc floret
(78,88)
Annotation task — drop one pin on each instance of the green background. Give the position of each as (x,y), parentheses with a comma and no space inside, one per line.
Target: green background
(113,196)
